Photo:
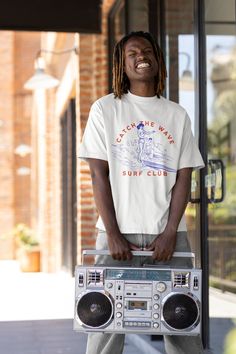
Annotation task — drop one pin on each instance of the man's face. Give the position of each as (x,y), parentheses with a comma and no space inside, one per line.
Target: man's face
(140,62)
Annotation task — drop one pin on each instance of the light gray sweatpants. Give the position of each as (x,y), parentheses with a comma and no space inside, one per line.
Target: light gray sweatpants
(110,343)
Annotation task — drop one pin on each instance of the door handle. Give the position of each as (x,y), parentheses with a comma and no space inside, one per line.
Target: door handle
(215,181)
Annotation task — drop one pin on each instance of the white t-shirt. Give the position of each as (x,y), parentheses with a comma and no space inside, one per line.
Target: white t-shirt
(145,140)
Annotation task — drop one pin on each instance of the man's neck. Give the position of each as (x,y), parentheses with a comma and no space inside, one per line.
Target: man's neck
(143,89)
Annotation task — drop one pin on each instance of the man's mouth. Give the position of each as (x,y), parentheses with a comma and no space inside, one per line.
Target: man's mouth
(143,65)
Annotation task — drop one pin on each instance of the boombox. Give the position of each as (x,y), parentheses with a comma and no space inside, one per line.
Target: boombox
(146,300)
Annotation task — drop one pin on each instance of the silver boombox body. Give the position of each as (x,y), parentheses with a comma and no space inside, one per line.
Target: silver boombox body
(146,300)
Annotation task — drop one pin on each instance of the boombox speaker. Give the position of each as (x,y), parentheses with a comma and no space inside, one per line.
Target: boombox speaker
(148,300)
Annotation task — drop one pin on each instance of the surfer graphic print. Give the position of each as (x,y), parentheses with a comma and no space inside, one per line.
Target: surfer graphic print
(145,141)
(142,150)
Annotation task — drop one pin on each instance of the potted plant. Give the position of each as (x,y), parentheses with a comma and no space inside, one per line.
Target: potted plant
(28,251)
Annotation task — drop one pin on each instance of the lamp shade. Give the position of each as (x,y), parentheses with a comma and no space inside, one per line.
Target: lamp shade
(186,82)
(23,150)
(41,80)
(23,171)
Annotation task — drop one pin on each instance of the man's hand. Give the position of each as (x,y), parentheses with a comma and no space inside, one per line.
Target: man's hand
(120,248)
(163,246)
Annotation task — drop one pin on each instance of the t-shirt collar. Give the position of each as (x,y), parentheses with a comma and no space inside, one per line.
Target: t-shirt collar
(134,98)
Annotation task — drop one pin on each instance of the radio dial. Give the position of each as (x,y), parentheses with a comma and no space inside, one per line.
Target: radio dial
(119,315)
(155,325)
(119,305)
(156,306)
(156,316)
(161,287)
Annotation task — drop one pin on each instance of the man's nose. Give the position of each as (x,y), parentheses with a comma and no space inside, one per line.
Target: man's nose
(141,55)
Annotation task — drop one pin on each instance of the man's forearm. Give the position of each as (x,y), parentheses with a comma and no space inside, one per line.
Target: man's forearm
(179,198)
(103,195)
(119,247)
(164,245)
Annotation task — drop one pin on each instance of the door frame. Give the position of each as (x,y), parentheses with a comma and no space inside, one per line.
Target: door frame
(201,112)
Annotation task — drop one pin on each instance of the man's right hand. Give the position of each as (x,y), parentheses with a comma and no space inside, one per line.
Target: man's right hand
(120,248)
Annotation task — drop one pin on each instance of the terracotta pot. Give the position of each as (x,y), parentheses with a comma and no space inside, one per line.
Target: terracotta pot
(29,260)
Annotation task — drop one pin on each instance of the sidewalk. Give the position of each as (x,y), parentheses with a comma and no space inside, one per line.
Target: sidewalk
(36,312)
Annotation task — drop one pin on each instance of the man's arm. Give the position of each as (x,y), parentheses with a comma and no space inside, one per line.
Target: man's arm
(119,247)
(164,245)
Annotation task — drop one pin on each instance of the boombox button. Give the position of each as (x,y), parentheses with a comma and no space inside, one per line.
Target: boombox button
(156,316)
(156,306)
(161,287)
(109,285)
(156,297)
(155,325)
(119,305)
(119,315)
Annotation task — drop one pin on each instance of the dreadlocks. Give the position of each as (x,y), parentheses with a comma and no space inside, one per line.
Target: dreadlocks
(121,82)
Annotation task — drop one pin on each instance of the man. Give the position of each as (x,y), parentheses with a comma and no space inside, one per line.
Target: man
(140,200)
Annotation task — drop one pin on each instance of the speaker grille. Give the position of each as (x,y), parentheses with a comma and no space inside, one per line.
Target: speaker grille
(95,277)
(181,280)
(95,309)
(180,311)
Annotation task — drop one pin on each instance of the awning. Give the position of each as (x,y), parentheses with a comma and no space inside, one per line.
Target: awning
(82,16)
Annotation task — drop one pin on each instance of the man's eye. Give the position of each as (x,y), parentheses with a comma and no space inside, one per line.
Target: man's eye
(131,54)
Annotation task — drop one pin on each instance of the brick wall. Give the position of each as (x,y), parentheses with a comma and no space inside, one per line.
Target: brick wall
(35,199)
(25,48)
(17,53)
(6,141)
(93,64)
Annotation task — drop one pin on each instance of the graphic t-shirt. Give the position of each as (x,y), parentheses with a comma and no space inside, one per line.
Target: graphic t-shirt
(145,140)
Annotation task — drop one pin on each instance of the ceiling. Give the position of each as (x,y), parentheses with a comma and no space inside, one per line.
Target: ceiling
(82,16)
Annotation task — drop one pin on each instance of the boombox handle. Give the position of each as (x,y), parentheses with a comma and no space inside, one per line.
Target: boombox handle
(137,253)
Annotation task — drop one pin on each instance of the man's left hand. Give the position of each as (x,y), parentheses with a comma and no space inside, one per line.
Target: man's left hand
(163,246)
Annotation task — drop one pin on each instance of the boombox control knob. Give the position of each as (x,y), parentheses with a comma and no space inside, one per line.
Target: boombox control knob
(161,287)
(118,305)
(109,285)
(156,306)
(156,316)
(155,325)
(156,297)
(119,315)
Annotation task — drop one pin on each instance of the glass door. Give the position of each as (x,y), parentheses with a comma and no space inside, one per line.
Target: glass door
(181,87)
(185,57)
(221,121)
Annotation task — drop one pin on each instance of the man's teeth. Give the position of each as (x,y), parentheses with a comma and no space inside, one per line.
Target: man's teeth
(143,65)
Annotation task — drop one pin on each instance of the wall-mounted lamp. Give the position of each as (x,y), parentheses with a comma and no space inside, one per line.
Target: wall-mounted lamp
(23,171)
(22,150)
(40,79)
(186,81)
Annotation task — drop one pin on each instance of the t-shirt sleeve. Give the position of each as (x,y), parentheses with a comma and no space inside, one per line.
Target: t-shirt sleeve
(93,143)
(189,155)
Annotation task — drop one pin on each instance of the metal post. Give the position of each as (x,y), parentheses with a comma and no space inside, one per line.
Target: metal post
(201,107)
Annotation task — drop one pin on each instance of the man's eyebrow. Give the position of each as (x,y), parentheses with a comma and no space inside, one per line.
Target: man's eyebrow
(135,47)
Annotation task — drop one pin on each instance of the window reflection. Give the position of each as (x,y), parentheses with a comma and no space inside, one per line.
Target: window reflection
(221,98)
